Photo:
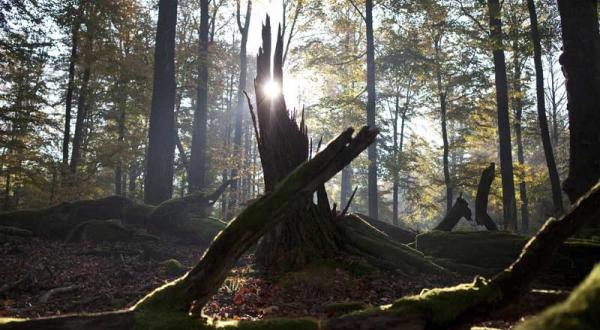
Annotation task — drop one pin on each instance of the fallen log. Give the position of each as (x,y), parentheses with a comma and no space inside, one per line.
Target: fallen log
(184,218)
(168,306)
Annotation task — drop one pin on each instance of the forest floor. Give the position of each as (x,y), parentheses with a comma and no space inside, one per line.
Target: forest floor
(108,276)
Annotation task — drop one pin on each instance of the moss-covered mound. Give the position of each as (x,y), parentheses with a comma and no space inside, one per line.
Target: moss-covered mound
(489,252)
(580,311)
(398,233)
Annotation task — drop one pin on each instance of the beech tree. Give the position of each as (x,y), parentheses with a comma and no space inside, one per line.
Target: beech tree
(161,144)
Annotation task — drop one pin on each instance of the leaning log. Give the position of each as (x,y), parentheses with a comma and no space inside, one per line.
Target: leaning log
(459,210)
(168,306)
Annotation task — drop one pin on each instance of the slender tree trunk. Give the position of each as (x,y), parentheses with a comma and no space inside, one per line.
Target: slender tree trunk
(7,191)
(119,186)
(581,65)
(541,110)
(372,151)
(241,101)
(158,185)
(199,134)
(399,147)
(443,115)
(395,153)
(82,108)
(346,185)
(69,97)
(506,166)
(518,110)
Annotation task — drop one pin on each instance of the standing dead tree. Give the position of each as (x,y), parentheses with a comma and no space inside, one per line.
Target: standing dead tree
(481,199)
(311,231)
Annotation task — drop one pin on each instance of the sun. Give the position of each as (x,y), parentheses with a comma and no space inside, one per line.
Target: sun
(272,89)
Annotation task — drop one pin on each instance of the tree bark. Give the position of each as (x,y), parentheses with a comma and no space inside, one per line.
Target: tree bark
(481,199)
(198,155)
(541,110)
(506,166)
(119,185)
(581,65)
(161,145)
(372,152)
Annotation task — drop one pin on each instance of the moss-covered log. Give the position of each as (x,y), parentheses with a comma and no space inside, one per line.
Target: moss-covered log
(184,219)
(581,310)
(397,233)
(438,308)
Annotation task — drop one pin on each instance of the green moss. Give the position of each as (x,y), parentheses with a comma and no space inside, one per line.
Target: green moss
(99,231)
(344,307)
(275,324)
(442,305)
(173,267)
(5,320)
(581,310)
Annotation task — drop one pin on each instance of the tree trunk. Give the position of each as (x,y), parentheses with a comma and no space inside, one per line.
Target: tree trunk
(158,185)
(396,169)
(80,121)
(372,152)
(481,199)
(69,97)
(240,107)
(119,185)
(581,65)
(506,166)
(198,155)
(541,110)
(133,175)
(517,102)
(443,115)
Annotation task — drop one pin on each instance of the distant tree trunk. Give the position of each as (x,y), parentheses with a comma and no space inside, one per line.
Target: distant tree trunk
(372,151)
(517,103)
(346,185)
(506,166)
(133,175)
(69,97)
(199,134)
(119,186)
(80,121)
(398,147)
(443,96)
(239,115)
(581,65)
(541,110)
(158,185)
(395,174)
(481,199)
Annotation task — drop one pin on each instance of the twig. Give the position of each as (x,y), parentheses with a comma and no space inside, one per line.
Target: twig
(46,296)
